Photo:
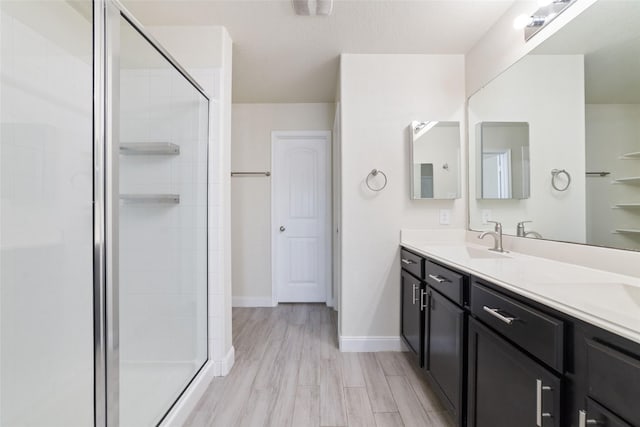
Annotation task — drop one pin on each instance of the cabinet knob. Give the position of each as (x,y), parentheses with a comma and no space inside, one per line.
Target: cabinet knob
(282,228)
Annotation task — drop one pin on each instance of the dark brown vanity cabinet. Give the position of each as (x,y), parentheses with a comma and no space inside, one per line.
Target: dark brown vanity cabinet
(498,359)
(413,300)
(507,388)
(411,321)
(433,299)
(444,361)
(515,362)
(607,379)
(444,336)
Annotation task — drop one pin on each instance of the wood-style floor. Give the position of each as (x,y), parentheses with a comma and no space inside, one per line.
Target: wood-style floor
(289,373)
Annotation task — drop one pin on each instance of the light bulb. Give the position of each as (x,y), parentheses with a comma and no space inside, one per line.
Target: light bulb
(521,21)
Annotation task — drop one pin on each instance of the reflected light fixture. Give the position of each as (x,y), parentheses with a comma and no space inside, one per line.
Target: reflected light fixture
(424,126)
(547,11)
(312,7)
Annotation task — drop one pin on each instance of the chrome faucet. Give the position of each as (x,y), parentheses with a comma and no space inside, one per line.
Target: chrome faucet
(520,231)
(497,237)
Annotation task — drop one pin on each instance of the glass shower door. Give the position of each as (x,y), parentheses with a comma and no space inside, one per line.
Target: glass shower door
(163,122)
(46,214)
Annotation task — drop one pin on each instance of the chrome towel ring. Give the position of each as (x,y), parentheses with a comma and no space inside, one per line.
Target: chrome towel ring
(374,173)
(554,176)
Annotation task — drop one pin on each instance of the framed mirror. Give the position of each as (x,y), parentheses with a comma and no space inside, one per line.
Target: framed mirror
(579,93)
(435,160)
(503,160)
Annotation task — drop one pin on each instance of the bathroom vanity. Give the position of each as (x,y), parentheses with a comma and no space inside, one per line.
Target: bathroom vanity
(516,340)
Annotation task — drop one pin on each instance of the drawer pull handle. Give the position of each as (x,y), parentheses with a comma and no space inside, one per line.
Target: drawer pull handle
(438,279)
(423,304)
(583,421)
(539,414)
(407,261)
(415,287)
(495,313)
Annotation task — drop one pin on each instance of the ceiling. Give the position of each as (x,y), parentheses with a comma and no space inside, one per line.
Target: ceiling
(279,57)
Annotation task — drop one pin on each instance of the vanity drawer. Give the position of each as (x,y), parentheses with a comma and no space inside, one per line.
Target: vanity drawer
(613,379)
(447,282)
(413,263)
(536,332)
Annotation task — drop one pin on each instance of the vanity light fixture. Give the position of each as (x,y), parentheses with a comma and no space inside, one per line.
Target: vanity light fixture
(312,7)
(547,11)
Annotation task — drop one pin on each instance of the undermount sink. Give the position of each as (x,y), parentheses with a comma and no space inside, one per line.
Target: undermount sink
(485,253)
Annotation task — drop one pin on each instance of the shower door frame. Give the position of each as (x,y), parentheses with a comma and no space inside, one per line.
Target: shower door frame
(106,69)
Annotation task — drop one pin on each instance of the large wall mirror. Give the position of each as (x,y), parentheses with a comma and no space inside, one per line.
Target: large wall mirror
(579,93)
(435,160)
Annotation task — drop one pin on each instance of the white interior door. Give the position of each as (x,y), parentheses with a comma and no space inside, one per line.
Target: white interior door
(301,203)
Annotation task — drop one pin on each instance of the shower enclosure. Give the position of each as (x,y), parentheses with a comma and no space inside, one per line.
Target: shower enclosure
(103,219)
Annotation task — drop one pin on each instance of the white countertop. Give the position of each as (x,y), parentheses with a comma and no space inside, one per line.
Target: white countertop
(608,300)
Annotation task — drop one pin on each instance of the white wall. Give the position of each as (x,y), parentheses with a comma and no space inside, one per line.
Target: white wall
(612,130)
(556,141)
(380,96)
(252,125)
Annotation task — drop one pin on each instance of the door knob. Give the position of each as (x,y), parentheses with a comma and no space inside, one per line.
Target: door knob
(282,228)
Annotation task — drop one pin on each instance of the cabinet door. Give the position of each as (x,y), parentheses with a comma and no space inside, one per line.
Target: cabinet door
(445,339)
(507,388)
(411,318)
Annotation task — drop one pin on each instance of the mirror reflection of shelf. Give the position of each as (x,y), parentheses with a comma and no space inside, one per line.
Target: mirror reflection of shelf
(149,148)
(628,230)
(627,205)
(629,180)
(173,199)
(635,155)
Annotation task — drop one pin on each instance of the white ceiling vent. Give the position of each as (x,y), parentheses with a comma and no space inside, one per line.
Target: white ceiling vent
(312,7)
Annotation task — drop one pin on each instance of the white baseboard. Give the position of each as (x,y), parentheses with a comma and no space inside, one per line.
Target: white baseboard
(252,302)
(369,344)
(187,402)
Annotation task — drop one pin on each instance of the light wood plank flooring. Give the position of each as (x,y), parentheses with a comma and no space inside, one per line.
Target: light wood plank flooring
(290,373)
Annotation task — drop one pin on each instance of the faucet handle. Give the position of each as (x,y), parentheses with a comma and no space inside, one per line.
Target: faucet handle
(522,223)
(498,225)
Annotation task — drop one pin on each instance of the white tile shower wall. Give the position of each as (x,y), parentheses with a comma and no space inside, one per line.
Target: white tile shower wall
(163,259)
(46,359)
(206,53)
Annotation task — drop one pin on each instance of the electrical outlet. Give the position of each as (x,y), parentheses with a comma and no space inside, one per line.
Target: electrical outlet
(486,216)
(445,216)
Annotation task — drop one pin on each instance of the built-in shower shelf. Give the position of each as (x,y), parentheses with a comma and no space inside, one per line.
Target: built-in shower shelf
(172,199)
(635,155)
(627,205)
(628,230)
(149,148)
(629,180)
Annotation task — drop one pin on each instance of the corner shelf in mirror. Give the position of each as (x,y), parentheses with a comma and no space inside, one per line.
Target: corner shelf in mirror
(628,230)
(172,199)
(635,155)
(629,180)
(627,205)
(149,148)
